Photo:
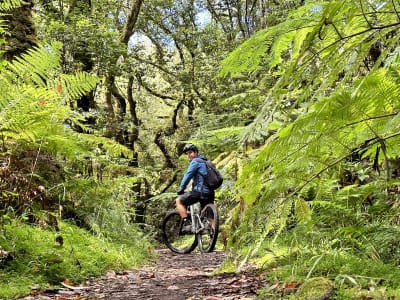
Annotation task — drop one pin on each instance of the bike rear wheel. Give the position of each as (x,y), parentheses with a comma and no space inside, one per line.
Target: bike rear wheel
(173,237)
(207,236)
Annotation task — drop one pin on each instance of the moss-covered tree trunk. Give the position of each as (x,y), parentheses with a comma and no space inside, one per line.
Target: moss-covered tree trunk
(124,136)
(82,55)
(21,30)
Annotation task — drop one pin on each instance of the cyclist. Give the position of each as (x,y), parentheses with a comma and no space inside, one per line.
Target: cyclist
(199,193)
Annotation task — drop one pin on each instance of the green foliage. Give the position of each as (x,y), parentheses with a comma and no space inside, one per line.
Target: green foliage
(10,4)
(39,260)
(319,47)
(323,176)
(248,55)
(269,47)
(158,207)
(314,177)
(106,209)
(299,256)
(34,109)
(35,106)
(227,137)
(316,146)
(330,132)
(33,101)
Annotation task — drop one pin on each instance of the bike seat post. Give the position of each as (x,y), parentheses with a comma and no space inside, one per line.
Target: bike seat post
(195,211)
(196,208)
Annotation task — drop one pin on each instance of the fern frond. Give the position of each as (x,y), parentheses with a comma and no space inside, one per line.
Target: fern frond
(334,44)
(330,132)
(30,107)
(35,67)
(6,5)
(248,55)
(219,136)
(74,86)
(276,39)
(33,97)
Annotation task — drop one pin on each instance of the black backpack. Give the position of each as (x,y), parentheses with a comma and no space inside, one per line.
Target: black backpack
(213,179)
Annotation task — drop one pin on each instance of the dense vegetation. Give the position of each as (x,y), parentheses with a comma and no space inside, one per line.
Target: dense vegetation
(296,102)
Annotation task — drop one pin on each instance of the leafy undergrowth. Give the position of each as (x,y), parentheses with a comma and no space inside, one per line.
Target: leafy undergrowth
(33,256)
(291,266)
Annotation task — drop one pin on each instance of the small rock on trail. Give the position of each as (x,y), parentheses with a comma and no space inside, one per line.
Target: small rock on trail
(172,277)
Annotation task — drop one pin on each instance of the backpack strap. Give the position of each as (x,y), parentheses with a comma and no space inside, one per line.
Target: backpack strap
(201,160)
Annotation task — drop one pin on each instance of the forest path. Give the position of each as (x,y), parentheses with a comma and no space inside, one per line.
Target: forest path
(172,276)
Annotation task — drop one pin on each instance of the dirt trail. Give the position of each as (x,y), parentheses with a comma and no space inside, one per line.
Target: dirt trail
(172,277)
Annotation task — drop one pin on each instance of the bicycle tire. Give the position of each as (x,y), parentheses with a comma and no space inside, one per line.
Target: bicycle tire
(207,237)
(173,237)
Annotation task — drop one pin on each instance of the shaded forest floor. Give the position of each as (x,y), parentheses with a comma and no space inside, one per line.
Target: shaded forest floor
(172,276)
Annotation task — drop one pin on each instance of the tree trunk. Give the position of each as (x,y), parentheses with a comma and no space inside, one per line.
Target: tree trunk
(112,90)
(131,22)
(21,29)
(82,55)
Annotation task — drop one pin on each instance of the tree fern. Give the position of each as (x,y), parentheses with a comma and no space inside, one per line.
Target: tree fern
(34,104)
(334,42)
(267,45)
(343,97)
(308,152)
(331,131)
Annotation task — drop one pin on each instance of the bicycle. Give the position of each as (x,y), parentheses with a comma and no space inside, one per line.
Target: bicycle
(204,233)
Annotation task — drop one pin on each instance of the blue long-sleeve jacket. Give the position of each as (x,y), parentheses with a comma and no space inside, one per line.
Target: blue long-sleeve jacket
(195,171)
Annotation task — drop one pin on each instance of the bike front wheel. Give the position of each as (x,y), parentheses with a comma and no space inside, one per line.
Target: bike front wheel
(173,237)
(207,236)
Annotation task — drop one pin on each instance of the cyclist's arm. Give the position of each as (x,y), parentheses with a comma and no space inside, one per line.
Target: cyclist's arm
(189,174)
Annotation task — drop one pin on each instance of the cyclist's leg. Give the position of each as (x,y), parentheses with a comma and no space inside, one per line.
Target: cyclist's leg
(181,208)
(183,201)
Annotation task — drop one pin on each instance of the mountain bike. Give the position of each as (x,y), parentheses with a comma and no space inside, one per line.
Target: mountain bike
(204,232)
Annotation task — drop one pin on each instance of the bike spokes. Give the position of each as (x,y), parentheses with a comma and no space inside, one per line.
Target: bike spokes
(174,238)
(208,234)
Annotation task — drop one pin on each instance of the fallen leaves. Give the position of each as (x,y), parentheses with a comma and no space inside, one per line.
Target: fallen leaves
(186,277)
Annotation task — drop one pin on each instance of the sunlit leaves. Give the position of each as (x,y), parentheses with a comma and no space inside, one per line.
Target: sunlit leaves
(34,97)
(10,4)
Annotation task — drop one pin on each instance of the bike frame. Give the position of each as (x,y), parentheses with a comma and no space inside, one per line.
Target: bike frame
(194,211)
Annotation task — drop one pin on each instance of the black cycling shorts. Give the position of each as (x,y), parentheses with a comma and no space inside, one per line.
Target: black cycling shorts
(189,198)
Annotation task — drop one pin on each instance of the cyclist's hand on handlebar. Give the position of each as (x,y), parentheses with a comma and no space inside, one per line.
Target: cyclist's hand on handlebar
(180,192)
